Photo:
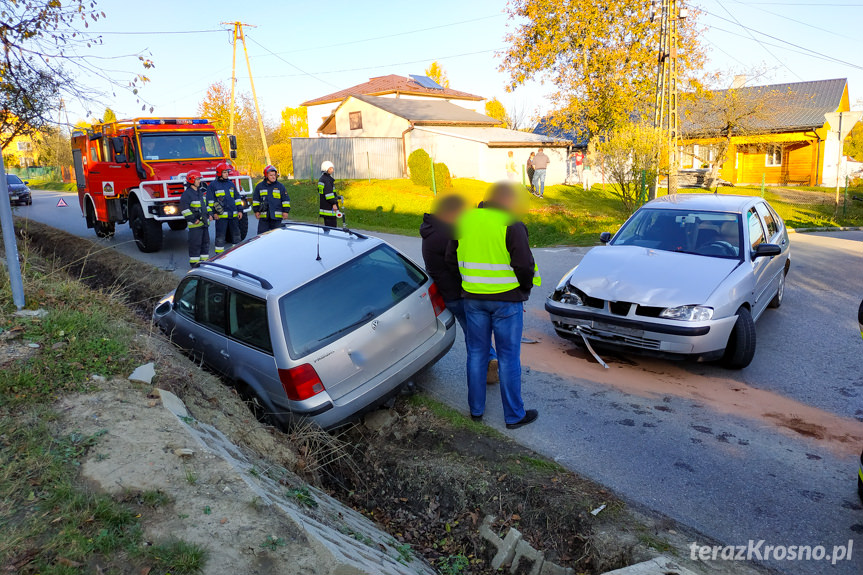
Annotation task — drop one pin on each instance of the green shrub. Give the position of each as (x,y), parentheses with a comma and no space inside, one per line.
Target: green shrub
(442,178)
(419,165)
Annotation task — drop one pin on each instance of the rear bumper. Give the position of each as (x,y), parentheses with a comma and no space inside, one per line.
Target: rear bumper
(650,335)
(328,414)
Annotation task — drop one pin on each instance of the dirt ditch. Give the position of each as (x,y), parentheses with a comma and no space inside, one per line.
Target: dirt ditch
(428,475)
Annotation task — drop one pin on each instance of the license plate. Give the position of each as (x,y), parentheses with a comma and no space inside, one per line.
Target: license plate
(618,330)
(13,197)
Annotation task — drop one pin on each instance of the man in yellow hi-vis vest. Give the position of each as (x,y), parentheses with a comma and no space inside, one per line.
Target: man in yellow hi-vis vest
(497,269)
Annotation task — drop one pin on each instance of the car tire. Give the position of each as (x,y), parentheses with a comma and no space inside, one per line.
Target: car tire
(741,343)
(147,232)
(780,293)
(177,225)
(104,229)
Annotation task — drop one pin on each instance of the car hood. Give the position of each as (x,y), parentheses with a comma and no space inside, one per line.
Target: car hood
(17,187)
(650,277)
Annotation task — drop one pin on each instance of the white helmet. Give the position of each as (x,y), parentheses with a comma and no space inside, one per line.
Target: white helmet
(325,167)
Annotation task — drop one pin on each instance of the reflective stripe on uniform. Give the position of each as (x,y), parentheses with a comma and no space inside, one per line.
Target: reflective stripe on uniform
(186,212)
(330,196)
(490,280)
(219,249)
(327,212)
(487,267)
(194,260)
(195,204)
(205,257)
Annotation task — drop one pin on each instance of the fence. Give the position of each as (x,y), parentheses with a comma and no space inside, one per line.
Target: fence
(354,158)
(50,173)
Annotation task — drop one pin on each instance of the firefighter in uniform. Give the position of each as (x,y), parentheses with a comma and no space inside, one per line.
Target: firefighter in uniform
(270,201)
(492,254)
(226,205)
(196,210)
(329,203)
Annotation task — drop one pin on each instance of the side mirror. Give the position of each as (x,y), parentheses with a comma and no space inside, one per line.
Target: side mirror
(233,154)
(605,237)
(118,144)
(232,142)
(26,182)
(766,251)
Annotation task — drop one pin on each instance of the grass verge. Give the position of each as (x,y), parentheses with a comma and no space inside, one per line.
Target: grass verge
(50,523)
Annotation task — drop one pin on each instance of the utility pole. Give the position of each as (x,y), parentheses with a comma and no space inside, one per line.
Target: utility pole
(665,113)
(239,35)
(13,266)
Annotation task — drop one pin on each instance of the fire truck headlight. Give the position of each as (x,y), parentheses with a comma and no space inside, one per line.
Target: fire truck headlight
(170,210)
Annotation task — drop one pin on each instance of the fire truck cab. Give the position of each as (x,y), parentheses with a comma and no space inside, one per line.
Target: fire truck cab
(134,171)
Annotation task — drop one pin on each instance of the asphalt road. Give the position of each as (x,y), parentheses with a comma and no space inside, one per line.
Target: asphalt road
(768,453)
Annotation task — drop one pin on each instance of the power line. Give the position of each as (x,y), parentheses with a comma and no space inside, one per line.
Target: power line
(394,35)
(809,50)
(766,49)
(292,65)
(718,47)
(153,33)
(804,51)
(819,4)
(833,32)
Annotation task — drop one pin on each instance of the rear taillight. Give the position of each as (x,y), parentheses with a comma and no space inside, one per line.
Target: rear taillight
(436,299)
(301,382)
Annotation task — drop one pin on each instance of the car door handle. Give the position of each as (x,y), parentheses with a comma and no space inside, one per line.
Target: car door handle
(224,354)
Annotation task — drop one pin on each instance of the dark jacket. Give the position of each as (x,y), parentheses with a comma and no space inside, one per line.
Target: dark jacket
(193,205)
(271,200)
(327,194)
(521,260)
(224,193)
(436,238)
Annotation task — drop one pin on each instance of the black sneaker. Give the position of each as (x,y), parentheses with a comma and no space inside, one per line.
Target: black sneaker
(476,417)
(530,416)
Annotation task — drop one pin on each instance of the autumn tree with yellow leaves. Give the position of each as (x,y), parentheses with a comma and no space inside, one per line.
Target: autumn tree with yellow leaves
(600,56)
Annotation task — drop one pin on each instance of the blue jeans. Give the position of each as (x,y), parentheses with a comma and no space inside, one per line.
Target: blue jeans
(539,181)
(505,320)
(456,306)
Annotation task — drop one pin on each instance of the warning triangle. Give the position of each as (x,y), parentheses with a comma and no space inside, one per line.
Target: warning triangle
(62,203)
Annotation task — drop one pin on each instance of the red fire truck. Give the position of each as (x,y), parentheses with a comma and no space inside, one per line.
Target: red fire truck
(134,171)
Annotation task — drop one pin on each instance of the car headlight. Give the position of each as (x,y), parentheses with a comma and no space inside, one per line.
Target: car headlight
(571,296)
(170,210)
(688,313)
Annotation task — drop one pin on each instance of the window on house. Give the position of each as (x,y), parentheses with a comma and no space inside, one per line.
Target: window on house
(24,146)
(356,120)
(774,155)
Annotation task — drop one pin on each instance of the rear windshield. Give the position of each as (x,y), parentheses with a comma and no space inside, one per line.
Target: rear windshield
(713,234)
(342,300)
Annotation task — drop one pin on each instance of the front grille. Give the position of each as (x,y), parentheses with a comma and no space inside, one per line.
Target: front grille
(619,307)
(648,311)
(175,189)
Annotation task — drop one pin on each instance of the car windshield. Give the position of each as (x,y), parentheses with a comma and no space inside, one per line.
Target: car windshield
(713,234)
(177,146)
(13,179)
(338,302)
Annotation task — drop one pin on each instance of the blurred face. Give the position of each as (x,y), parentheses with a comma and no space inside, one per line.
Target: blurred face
(271,176)
(225,174)
(451,216)
(330,171)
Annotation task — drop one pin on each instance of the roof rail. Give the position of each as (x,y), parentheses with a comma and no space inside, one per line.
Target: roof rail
(235,272)
(323,227)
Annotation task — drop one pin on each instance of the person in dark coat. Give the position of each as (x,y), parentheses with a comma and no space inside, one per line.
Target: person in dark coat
(530,171)
(226,205)
(328,204)
(270,201)
(437,232)
(196,210)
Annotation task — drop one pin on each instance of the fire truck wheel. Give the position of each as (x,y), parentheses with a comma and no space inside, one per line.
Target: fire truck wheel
(104,229)
(177,225)
(147,233)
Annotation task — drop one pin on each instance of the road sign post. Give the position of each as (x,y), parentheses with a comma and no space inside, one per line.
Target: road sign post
(8,224)
(841,123)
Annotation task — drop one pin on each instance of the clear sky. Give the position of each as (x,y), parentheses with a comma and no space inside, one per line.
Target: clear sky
(328,45)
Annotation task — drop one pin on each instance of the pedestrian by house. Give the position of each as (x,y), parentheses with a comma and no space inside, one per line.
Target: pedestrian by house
(586,173)
(437,232)
(226,205)
(540,165)
(492,254)
(530,171)
(270,201)
(328,203)
(196,210)
(510,167)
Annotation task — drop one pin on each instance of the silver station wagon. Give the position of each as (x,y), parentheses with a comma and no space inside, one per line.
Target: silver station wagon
(686,275)
(310,322)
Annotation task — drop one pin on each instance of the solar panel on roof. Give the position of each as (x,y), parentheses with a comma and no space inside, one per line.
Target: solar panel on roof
(426,82)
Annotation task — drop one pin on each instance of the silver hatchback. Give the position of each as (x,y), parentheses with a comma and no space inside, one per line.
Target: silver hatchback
(686,275)
(310,322)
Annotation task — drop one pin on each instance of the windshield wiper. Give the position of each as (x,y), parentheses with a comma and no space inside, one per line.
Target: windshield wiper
(360,321)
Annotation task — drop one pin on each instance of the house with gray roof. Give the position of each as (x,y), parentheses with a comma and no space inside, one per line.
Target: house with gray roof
(785,140)
(471,144)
